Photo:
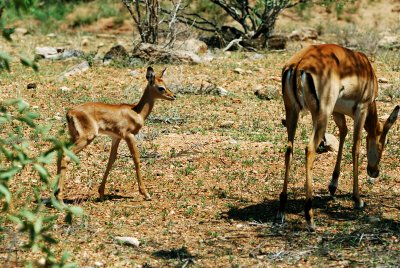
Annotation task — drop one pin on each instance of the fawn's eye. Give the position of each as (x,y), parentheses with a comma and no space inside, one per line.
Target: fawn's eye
(161,88)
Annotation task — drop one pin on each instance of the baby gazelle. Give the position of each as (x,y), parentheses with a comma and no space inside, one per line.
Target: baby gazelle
(120,121)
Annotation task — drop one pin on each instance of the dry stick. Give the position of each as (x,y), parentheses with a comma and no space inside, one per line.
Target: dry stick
(233,42)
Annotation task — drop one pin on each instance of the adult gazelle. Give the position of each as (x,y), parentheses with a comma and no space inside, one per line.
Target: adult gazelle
(332,80)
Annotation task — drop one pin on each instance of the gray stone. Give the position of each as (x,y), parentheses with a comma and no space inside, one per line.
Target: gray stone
(227,124)
(303,34)
(127,240)
(221,91)
(74,70)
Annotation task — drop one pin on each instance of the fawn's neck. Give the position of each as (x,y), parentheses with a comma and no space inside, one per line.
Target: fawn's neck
(145,104)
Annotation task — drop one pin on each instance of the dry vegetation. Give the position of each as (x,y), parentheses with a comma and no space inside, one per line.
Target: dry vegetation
(215,184)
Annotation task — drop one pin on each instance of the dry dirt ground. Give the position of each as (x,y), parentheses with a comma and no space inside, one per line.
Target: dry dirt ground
(214,167)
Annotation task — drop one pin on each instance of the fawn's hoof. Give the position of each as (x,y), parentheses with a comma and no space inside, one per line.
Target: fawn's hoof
(311,226)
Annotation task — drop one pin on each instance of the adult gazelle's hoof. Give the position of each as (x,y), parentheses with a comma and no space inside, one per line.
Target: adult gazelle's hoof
(332,189)
(358,204)
(280,217)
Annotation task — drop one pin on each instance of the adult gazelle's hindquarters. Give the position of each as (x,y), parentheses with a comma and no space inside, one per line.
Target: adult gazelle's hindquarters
(332,80)
(120,121)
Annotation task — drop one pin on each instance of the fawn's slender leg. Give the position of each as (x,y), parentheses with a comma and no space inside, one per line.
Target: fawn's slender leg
(78,146)
(111,160)
(130,140)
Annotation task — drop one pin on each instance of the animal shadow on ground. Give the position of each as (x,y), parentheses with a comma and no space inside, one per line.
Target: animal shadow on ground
(267,210)
(180,254)
(79,200)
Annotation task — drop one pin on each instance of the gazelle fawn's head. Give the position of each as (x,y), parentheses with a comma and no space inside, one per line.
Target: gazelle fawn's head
(157,87)
(376,145)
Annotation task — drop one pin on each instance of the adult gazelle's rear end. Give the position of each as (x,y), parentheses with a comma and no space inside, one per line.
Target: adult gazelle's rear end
(332,80)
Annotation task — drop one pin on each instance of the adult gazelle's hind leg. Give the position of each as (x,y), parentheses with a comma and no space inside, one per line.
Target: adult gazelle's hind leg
(292,116)
(341,123)
(359,121)
(130,140)
(320,122)
(111,160)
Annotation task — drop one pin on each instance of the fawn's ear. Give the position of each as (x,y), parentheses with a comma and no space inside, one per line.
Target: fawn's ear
(163,71)
(150,75)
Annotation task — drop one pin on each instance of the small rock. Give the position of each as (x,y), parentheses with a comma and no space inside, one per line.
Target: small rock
(85,42)
(98,264)
(116,52)
(20,31)
(276,42)
(373,219)
(239,226)
(227,124)
(65,89)
(328,144)
(47,52)
(77,69)
(383,80)
(58,117)
(389,41)
(371,180)
(57,53)
(262,94)
(239,71)
(51,35)
(126,240)
(256,56)
(304,34)
(193,45)
(42,261)
(134,73)
(31,86)
(331,143)
(221,91)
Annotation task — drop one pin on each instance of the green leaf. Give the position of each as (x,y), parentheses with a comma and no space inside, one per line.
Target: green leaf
(46,158)
(77,211)
(4,61)
(49,239)
(27,120)
(9,173)
(4,191)
(7,153)
(28,63)
(50,218)
(22,105)
(43,173)
(3,120)
(71,155)
(28,215)
(57,204)
(38,225)
(32,115)
(68,218)
(7,32)
(16,219)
